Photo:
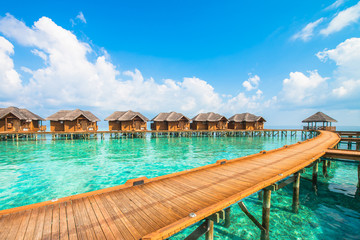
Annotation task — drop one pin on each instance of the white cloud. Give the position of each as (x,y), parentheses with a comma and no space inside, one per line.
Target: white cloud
(308,31)
(9,79)
(252,83)
(81,17)
(342,20)
(69,79)
(347,58)
(40,54)
(335,5)
(302,90)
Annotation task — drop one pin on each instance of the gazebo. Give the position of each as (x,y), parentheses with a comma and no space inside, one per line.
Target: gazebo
(314,122)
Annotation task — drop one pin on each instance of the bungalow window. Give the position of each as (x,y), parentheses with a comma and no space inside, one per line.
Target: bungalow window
(9,125)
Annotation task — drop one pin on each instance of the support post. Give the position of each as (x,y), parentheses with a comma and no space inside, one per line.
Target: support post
(209,235)
(201,230)
(266,214)
(325,174)
(358,185)
(227,217)
(296,192)
(315,175)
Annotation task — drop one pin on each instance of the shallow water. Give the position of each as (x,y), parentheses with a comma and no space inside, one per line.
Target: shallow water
(36,171)
(32,172)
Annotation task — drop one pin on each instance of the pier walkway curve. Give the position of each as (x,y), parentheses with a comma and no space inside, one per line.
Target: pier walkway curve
(160,207)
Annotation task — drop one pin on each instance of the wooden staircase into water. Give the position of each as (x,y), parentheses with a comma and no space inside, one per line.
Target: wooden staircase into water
(160,207)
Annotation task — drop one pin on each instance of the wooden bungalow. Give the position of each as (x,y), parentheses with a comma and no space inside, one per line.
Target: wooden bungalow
(127,121)
(171,121)
(209,121)
(319,121)
(13,119)
(246,121)
(73,121)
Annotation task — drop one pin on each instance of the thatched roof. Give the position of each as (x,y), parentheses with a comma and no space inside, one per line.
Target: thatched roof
(246,117)
(125,116)
(20,113)
(319,117)
(209,117)
(169,117)
(71,115)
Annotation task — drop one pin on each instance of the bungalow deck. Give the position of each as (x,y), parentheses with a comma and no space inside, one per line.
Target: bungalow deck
(160,207)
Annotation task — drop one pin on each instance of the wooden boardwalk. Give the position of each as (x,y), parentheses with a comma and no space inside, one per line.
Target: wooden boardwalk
(343,154)
(158,208)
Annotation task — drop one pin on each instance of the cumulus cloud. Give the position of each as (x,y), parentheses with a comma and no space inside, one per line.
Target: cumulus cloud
(302,90)
(69,79)
(308,31)
(347,58)
(342,20)
(81,17)
(9,79)
(252,83)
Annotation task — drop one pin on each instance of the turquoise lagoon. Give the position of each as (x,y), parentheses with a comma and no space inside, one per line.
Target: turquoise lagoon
(35,171)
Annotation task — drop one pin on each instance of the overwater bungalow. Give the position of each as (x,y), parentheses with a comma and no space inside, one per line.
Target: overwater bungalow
(246,121)
(319,121)
(127,121)
(73,121)
(13,119)
(171,121)
(209,121)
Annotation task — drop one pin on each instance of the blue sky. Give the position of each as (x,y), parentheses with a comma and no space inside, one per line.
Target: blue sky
(284,60)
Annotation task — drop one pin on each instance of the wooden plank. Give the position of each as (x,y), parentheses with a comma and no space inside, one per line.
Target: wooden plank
(55,229)
(64,232)
(132,215)
(12,226)
(30,231)
(71,221)
(109,217)
(23,225)
(82,223)
(39,224)
(100,218)
(91,220)
(47,223)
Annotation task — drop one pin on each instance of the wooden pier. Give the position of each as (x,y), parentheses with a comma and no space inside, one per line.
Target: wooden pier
(16,136)
(160,207)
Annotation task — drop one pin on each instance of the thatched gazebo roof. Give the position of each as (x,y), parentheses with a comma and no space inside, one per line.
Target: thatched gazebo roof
(246,117)
(71,115)
(319,117)
(169,117)
(209,117)
(125,116)
(20,113)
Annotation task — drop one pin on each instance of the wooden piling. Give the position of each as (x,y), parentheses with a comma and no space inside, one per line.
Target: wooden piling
(209,235)
(358,185)
(325,164)
(315,175)
(266,214)
(296,193)
(227,217)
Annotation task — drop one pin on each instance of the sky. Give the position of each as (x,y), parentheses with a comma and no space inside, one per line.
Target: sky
(283,60)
